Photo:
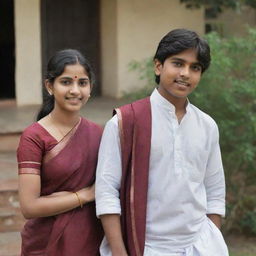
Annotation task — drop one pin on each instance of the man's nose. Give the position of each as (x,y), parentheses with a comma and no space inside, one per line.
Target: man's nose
(184,72)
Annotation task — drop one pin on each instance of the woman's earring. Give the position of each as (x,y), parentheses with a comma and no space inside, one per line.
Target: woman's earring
(50,93)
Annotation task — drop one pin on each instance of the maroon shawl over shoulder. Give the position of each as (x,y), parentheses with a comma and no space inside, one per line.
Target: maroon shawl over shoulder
(134,121)
(69,166)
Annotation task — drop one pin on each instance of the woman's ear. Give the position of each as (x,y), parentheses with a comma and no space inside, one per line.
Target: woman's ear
(157,66)
(48,86)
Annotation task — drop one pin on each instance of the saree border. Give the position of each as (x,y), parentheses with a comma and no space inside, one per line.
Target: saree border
(61,144)
(28,171)
(29,162)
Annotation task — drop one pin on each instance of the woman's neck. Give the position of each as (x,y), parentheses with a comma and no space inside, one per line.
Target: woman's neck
(65,119)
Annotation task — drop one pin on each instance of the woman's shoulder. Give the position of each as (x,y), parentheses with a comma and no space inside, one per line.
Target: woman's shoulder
(37,133)
(92,124)
(32,136)
(32,130)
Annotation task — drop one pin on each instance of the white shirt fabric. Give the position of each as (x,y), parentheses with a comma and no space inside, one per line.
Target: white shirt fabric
(186,177)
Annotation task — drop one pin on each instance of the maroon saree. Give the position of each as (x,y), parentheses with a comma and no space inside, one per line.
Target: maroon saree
(68,166)
(134,121)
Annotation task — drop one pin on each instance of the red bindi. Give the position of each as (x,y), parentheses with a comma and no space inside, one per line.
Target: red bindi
(75,76)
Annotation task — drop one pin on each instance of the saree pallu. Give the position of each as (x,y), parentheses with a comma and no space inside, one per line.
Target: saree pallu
(69,166)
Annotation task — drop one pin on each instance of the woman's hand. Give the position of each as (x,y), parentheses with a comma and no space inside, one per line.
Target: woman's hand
(87,194)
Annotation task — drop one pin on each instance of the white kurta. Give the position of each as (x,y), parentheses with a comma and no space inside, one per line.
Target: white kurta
(186,181)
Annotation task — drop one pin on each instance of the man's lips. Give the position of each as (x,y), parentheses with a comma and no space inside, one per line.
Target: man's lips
(182,83)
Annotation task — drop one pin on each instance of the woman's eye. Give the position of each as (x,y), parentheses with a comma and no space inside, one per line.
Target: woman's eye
(84,83)
(65,82)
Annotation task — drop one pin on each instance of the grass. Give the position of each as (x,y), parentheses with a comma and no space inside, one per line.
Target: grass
(241,254)
(241,246)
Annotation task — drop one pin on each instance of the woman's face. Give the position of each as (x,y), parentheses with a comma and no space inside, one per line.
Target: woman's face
(71,89)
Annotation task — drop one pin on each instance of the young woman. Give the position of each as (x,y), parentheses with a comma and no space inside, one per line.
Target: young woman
(57,158)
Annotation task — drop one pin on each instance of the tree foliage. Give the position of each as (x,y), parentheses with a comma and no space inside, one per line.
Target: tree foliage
(227,92)
(215,7)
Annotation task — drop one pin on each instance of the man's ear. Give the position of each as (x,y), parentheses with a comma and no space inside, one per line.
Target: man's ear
(48,86)
(158,67)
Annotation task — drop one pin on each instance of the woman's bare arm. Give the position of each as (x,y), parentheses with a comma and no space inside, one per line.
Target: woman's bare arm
(33,205)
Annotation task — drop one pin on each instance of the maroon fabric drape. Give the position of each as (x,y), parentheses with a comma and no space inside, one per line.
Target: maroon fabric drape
(69,166)
(135,135)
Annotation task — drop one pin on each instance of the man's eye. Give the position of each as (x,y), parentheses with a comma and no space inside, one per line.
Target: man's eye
(177,64)
(197,68)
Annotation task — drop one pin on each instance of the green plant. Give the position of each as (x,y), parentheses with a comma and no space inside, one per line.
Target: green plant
(215,7)
(227,92)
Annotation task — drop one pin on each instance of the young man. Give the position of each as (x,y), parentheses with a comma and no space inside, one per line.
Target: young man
(160,188)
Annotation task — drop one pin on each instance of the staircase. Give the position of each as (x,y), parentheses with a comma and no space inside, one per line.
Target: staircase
(11,219)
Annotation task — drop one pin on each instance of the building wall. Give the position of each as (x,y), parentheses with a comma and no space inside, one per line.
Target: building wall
(139,26)
(233,23)
(28,52)
(109,47)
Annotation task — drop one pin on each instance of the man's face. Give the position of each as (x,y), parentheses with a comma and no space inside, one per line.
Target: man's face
(179,75)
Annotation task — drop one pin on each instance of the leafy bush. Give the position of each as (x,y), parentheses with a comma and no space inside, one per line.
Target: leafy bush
(227,92)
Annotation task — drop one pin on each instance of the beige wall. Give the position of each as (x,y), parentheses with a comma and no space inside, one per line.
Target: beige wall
(139,25)
(109,50)
(234,23)
(28,52)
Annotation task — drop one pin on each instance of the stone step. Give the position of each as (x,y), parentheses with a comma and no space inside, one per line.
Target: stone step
(9,193)
(11,219)
(9,141)
(8,165)
(10,243)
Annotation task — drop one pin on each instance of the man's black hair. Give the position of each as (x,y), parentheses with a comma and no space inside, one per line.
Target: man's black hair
(179,40)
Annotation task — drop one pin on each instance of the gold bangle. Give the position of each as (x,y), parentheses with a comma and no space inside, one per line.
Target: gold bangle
(78,198)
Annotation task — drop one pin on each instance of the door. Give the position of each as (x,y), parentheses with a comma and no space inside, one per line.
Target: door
(7,50)
(72,24)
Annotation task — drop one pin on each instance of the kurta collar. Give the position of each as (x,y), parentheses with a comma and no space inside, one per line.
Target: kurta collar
(158,99)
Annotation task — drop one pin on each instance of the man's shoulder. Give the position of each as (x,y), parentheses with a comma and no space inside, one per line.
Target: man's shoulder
(139,102)
(204,117)
(133,112)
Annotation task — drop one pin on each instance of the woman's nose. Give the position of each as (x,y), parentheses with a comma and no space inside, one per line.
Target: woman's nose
(75,89)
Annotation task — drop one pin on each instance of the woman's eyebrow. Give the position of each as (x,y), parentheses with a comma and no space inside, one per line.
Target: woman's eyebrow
(66,77)
(84,78)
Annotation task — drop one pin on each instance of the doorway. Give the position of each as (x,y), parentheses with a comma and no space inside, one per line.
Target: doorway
(72,24)
(7,50)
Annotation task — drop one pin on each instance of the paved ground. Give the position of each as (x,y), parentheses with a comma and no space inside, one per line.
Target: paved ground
(9,244)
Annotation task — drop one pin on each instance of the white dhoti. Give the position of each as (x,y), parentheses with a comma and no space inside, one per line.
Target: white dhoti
(210,242)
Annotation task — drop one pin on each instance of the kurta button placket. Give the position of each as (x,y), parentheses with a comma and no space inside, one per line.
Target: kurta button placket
(176,144)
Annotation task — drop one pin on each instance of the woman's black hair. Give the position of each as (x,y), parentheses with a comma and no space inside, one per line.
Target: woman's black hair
(179,40)
(55,68)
